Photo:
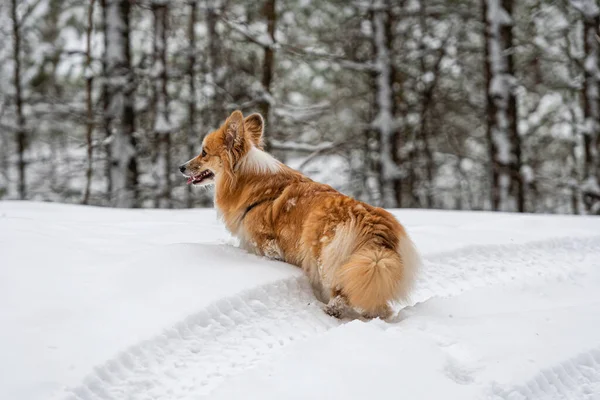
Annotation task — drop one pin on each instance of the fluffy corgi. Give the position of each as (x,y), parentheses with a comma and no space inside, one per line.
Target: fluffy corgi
(358,257)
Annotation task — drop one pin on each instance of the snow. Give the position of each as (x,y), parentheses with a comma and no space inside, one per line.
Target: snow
(296,146)
(588,8)
(131,304)
(428,77)
(503,146)
(161,124)
(100,280)
(527,174)
(497,14)
(260,38)
(590,185)
(318,169)
(114,51)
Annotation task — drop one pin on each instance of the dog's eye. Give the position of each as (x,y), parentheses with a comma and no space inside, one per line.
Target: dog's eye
(203,153)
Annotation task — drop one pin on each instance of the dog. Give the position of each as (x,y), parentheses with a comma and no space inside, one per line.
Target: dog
(358,258)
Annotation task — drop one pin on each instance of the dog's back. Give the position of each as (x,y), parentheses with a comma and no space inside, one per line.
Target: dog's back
(356,255)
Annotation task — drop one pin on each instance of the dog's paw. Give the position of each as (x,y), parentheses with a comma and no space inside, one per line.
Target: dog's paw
(384,312)
(334,311)
(336,307)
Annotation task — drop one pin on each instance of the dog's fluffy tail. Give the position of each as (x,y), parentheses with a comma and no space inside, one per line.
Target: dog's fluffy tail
(374,275)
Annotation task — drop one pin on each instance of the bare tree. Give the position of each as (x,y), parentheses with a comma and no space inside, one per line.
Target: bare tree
(89,80)
(107,114)
(191,73)
(270,15)
(21,129)
(428,81)
(215,68)
(389,93)
(590,13)
(162,120)
(384,122)
(507,188)
(119,112)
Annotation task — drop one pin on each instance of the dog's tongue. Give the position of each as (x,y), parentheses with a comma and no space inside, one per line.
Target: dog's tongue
(190,180)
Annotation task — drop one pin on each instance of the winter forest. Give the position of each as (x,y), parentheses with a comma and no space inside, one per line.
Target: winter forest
(448,104)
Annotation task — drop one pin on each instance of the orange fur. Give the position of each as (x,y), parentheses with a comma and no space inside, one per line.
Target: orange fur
(355,255)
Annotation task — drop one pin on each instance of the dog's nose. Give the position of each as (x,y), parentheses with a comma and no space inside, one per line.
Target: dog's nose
(182,168)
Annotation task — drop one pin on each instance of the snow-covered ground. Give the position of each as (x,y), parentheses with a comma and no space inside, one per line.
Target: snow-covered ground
(142,304)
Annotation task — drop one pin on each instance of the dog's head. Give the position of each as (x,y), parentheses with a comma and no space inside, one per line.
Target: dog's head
(224,149)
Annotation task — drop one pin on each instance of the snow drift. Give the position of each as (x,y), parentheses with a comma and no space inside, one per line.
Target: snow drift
(133,304)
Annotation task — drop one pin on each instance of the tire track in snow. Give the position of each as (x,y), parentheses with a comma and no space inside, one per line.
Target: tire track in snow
(237,333)
(575,378)
(198,353)
(452,273)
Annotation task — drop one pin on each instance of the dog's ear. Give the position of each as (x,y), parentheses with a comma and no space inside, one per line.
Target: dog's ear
(234,129)
(254,126)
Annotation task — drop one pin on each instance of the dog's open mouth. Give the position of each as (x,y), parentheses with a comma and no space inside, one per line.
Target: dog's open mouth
(201,177)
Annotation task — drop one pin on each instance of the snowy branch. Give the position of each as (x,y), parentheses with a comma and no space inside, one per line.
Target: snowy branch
(588,8)
(296,146)
(262,40)
(27,13)
(363,66)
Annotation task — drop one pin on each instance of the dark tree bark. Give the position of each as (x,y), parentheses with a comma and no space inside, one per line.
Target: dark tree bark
(268,65)
(591,105)
(507,186)
(89,78)
(119,113)
(216,110)
(396,140)
(191,131)
(106,99)
(426,100)
(384,123)
(21,133)
(493,176)
(162,123)
(518,188)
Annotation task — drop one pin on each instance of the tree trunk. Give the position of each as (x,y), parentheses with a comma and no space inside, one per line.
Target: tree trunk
(384,120)
(162,123)
(106,112)
(507,191)
(268,64)
(191,131)
(426,100)
(518,183)
(216,109)
(396,140)
(21,134)
(591,105)
(119,104)
(4,165)
(89,77)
